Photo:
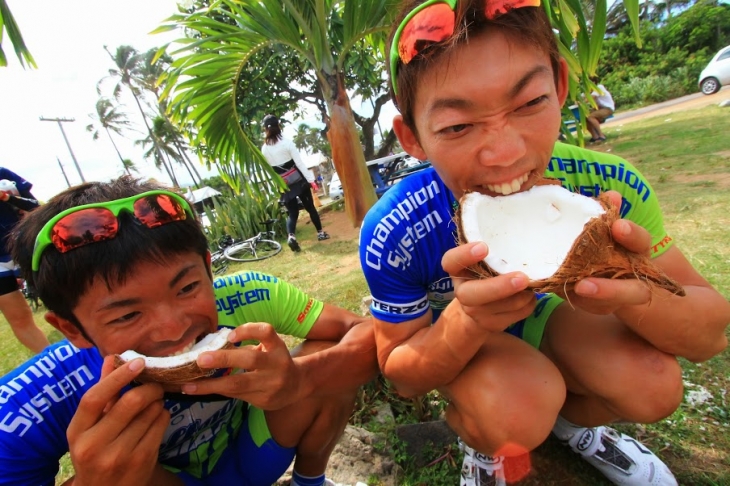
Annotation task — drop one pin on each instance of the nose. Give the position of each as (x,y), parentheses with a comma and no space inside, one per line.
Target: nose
(502,145)
(170,323)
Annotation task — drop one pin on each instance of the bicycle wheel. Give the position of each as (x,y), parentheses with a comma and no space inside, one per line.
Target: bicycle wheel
(248,251)
(218,262)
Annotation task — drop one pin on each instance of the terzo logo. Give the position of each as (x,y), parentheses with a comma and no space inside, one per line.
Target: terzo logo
(411,308)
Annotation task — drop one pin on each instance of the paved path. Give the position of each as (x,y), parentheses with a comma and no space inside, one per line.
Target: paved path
(695,100)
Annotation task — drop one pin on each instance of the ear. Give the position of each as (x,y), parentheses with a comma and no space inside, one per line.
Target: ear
(68,329)
(209,264)
(408,139)
(562,87)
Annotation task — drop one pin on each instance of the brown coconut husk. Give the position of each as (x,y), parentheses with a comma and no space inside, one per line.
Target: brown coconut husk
(593,254)
(171,379)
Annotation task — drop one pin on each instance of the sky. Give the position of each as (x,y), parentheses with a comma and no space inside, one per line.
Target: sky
(67,39)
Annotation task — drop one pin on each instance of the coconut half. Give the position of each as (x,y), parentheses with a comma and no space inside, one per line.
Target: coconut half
(554,236)
(172,371)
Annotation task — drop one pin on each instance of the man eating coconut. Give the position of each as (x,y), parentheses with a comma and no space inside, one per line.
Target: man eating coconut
(125,266)
(479,86)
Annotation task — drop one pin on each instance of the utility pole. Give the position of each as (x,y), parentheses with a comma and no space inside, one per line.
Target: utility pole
(60,121)
(63,172)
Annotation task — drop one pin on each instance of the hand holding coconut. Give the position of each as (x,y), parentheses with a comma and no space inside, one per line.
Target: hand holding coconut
(271,379)
(129,427)
(495,303)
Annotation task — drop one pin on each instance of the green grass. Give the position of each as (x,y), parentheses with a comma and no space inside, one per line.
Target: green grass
(687,160)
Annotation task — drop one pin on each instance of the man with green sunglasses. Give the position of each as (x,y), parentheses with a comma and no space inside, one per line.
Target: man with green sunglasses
(479,85)
(124,265)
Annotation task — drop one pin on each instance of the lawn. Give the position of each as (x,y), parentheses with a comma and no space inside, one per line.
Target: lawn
(687,160)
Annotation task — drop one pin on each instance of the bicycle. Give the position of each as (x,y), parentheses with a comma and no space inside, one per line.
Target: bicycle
(30,295)
(257,248)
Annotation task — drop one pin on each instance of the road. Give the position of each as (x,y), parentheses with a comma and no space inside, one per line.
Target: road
(689,102)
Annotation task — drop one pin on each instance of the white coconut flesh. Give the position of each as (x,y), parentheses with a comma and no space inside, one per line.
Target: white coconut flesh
(211,342)
(532,231)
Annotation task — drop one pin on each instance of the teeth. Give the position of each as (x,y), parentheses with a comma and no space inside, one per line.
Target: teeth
(507,188)
(184,350)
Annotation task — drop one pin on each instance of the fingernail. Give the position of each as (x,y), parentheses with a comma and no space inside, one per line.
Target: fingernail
(189,388)
(624,228)
(519,282)
(205,360)
(587,288)
(136,364)
(479,249)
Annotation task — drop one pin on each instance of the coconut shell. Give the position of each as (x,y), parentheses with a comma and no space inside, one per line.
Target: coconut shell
(593,254)
(171,379)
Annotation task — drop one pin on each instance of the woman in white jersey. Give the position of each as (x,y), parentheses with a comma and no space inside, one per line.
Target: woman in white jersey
(283,156)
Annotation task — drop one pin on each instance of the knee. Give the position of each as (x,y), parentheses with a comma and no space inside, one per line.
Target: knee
(511,420)
(658,391)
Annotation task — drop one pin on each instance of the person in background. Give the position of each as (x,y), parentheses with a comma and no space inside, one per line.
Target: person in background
(15,199)
(283,156)
(604,109)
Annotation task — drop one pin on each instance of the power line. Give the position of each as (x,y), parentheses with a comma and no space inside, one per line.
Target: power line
(60,122)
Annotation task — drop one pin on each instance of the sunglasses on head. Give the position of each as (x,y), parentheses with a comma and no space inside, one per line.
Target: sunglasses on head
(433,22)
(92,223)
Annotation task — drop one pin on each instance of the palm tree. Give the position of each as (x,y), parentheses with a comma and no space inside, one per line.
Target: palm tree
(160,152)
(126,60)
(204,82)
(148,73)
(109,118)
(7,23)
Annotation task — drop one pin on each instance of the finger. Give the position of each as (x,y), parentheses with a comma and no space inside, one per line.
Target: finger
(456,261)
(106,368)
(247,358)
(484,291)
(631,236)
(617,292)
(94,401)
(239,385)
(615,197)
(139,426)
(127,409)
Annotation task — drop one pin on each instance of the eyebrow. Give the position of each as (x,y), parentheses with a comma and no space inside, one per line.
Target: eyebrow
(125,302)
(461,103)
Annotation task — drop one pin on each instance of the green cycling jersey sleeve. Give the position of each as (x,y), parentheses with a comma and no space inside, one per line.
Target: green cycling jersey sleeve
(258,297)
(592,173)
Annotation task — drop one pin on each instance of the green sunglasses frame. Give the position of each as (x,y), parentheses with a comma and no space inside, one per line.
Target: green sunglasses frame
(394,54)
(43,240)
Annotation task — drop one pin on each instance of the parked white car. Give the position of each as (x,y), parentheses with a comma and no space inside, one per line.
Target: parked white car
(716,73)
(335,191)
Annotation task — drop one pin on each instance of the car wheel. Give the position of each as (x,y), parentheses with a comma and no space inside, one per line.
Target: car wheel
(710,86)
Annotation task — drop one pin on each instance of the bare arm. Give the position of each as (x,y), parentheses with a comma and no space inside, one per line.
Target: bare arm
(418,357)
(692,326)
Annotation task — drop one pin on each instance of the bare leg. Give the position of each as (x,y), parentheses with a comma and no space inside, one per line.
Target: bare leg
(611,373)
(494,401)
(20,317)
(594,126)
(314,425)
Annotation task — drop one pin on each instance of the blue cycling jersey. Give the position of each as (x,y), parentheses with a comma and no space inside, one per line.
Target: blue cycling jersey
(405,235)
(39,398)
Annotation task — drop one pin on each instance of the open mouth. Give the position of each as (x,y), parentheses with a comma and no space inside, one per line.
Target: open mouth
(508,187)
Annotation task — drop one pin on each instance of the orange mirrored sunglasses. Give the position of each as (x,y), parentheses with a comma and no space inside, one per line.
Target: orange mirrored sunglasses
(433,22)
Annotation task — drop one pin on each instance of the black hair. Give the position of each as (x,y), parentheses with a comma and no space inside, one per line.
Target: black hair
(272,129)
(525,24)
(62,278)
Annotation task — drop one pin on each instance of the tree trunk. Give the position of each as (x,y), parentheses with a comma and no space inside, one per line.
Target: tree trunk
(347,154)
(115,148)
(153,139)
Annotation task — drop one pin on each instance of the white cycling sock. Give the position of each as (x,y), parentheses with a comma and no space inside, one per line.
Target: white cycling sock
(565,429)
